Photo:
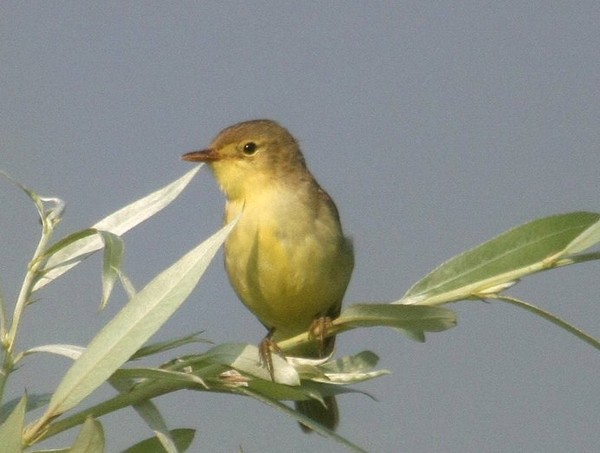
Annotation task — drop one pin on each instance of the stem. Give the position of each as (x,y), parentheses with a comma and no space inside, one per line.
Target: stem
(553,319)
(139,394)
(9,341)
(27,288)
(582,258)
(335,328)
(3,317)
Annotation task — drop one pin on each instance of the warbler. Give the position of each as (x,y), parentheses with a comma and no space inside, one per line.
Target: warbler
(287,257)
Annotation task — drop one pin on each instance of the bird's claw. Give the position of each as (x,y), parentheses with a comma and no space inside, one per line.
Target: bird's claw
(318,331)
(266,348)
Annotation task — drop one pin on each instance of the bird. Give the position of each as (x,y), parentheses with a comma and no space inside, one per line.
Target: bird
(287,258)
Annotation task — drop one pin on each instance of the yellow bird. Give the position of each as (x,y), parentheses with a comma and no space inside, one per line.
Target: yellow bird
(287,258)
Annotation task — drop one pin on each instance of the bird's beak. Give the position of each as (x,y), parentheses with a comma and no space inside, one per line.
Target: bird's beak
(206,155)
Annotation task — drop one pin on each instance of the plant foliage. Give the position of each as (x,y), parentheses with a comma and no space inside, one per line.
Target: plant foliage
(484,272)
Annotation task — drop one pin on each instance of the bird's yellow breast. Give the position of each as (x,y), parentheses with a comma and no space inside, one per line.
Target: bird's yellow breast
(287,264)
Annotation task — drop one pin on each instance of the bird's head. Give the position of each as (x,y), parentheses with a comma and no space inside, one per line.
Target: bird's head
(249,156)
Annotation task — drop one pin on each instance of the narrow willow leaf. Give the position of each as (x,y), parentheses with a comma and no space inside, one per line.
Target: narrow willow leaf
(11,431)
(357,363)
(343,371)
(150,414)
(30,193)
(316,427)
(53,450)
(319,390)
(279,392)
(127,285)
(309,389)
(502,261)
(245,358)
(579,333)
(432,319)
(113,258)
(158,374)
(182,437)
(66,350)
(90,439)
(155,421)
(588,238)
(352,378)
(412,323)
(67,242)
(134,324)
(51,215)
(3,320)
(415,335)
(34,401)
(117,223)
(168,345)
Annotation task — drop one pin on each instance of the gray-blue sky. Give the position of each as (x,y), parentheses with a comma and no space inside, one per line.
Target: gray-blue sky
(433,126)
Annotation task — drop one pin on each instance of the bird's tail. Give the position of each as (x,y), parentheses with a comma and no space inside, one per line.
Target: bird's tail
(327,415)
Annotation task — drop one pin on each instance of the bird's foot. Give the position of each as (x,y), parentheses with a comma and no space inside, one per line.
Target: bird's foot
(265,349)
(317,331)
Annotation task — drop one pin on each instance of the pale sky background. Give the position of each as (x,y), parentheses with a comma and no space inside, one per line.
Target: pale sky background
(434,126)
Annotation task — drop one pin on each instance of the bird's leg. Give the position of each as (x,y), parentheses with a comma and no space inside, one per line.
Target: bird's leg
(265,349)
(317,331)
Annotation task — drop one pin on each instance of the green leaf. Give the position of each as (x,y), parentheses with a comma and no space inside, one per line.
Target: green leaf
(127,285)
(150,414)
(90,439)
(168,345)
(318,390)
(182,437)
(111,267)
(67,242)
(117,223)
(66,350)
(3,317)
(11,431)
(30,193)
(349,370)
(245,358)
(34,401)
(301,418)
(52,450)
(358,363)
(432,319)
(133,325)
(582,335)
(499,263)
(275,391)
(158,374)
(588,238)
(411,322)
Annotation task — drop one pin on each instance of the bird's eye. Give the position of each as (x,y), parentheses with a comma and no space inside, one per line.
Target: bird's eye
(250,148)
